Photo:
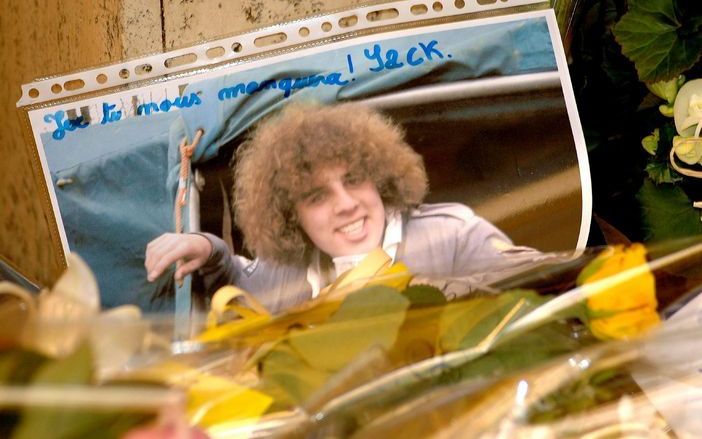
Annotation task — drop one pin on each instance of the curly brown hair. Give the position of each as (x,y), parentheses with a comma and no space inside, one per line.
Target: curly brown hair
(276,166)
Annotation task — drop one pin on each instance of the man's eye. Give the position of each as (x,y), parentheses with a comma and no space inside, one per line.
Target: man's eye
(354,179)
(315,197)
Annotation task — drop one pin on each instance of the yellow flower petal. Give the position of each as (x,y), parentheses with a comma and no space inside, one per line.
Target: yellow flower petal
(624,308)
(233,328)
(625,325)
(213,400)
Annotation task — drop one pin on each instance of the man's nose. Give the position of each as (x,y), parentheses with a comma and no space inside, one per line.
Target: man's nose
(344,201)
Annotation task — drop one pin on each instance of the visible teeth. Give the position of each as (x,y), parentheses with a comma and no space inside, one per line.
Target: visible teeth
(352,228)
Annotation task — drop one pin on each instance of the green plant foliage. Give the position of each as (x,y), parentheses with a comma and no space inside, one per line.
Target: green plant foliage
(16,369)
(583,394)
(660,40)
(667,212)
(658,167)
(424,295)
(288,378)
(630,57)
(465,324)
(650,142)
(77,368)
(28,369)
(667,90)
(368,317)
(528,350)
(418,336)
(660,172)
(308,357)
(38,422)
(58,422)
(609,96)
(18,366)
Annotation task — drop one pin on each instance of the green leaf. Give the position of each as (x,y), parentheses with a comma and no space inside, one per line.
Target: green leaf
(71,422)
(660,172)
(418,336)
(288,378)
(368,317)
(424,295)
(58,422)
(650,142)
(527,350)
(76,368)
(667,212)
(18,366)
(459,318)
(651,35)
(666,90)
(465,324)
(584,393)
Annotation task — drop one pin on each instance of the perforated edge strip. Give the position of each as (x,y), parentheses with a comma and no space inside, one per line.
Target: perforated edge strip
(244,45)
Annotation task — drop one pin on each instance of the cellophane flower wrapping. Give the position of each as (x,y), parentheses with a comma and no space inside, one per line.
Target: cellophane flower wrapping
(602,342)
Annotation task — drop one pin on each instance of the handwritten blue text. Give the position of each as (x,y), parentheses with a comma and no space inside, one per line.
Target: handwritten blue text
(166,104)
(285,84)
(63,125)
(390,59)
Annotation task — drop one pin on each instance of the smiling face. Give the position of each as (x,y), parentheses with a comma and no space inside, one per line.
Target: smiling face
(343,214)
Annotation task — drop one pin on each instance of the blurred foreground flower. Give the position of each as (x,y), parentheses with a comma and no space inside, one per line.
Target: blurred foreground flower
(164,432)
(60,318)
(622,298)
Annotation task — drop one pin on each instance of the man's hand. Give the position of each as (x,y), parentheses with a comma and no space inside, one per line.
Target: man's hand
(169,248)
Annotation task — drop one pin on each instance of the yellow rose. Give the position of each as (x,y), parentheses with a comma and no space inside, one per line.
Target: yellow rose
(621,293)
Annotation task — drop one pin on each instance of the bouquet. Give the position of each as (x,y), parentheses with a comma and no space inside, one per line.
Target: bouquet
(572,344)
